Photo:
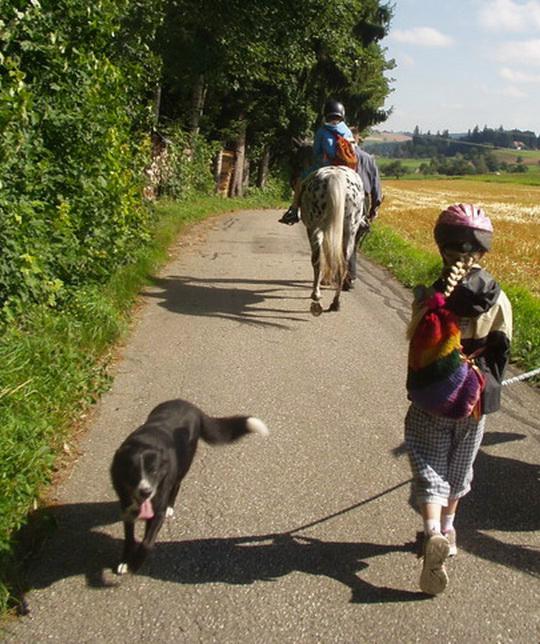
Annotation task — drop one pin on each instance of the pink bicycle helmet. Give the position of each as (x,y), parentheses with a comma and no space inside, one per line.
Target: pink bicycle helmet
(464,225)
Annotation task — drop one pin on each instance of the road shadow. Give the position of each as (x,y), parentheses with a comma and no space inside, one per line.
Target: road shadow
(245,560)
(217,297)
(505,498)
(79,547)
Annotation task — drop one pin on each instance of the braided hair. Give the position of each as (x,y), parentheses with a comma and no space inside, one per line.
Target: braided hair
(456,273)
(452,276)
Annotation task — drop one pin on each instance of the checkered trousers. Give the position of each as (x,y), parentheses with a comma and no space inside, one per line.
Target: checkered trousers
(442,452)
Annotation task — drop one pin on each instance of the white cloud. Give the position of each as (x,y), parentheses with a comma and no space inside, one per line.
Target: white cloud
(508,15)
(515,76)
(513,92)
(422,36)
(524,52)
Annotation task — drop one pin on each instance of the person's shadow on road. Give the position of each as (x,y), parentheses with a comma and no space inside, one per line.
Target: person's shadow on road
(223,298)
(78,547)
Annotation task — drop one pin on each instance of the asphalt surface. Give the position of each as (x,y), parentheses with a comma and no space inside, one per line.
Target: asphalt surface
(306,535)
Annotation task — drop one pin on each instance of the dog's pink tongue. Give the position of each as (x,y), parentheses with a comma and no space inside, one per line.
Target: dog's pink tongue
(146,511)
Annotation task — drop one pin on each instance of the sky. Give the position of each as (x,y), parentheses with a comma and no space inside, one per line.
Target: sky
(461,63)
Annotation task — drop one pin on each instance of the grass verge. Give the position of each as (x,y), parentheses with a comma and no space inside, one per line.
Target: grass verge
(412,266)
(54,366)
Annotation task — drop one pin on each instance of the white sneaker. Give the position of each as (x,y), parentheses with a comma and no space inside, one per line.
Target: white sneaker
(434,579)
(452,542)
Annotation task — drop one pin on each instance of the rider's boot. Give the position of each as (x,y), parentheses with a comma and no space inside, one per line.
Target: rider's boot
(292,216)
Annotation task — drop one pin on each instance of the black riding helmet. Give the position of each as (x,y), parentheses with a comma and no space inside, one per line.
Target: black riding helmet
(333,108)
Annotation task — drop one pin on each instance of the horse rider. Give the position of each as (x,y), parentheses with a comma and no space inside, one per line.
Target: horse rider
(324,151)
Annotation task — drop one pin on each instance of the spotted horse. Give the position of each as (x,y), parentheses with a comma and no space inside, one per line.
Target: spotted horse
(332,208)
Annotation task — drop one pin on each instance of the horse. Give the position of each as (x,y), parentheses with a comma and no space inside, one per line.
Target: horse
(332,209)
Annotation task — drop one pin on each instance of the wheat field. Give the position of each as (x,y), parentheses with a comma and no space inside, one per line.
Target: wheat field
(411,208)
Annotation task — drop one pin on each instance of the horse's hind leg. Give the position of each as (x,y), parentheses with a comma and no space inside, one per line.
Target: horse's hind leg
(335,302)
(316,244)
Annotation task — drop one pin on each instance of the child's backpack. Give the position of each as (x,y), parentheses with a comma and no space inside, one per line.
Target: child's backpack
(344,151)
(441,379)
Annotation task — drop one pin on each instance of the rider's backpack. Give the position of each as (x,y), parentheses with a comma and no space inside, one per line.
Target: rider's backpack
(344,151)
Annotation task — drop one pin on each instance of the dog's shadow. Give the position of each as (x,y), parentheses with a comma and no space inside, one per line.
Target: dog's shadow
(79,548)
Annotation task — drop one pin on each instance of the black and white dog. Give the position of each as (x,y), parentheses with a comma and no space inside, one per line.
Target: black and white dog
(149,466)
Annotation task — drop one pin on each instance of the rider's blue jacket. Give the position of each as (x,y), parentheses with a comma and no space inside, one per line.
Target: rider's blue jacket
(324,145)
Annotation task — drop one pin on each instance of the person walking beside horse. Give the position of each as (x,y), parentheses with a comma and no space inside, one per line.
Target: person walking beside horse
(373,197)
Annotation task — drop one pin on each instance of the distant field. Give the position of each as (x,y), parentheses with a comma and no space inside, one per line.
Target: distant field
(530,178)
(530,157)
(410,207)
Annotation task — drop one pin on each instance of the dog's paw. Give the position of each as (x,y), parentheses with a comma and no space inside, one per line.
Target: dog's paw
(122,568)
(169,513)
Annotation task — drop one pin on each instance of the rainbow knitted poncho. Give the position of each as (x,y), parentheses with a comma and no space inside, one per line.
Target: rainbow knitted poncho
(440,379)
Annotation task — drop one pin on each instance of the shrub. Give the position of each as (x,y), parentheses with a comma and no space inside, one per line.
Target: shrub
(70,207)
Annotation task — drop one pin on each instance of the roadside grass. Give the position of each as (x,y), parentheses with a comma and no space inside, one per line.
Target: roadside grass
(55,366)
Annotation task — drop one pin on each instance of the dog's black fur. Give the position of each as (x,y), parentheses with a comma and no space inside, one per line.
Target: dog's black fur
(149,466)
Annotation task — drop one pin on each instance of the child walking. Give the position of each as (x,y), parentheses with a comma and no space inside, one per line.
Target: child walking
(460,341)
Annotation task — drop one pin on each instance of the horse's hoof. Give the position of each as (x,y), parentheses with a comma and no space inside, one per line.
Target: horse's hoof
(316,308)
(334,306)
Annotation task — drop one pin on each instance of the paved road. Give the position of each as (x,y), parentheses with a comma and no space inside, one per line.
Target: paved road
(305,536)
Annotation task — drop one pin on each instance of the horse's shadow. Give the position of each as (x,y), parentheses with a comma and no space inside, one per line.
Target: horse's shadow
(214,297)
(231,560)
(504,498)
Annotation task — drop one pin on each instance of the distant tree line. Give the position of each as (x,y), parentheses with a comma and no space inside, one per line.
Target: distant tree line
(447,154)
(427,145)
(502,138)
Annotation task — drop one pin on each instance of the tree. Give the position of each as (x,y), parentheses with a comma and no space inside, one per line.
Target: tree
(267,67)
(394,169)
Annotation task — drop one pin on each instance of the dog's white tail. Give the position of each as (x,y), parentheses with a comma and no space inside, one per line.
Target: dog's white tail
(230,428)
(256,426)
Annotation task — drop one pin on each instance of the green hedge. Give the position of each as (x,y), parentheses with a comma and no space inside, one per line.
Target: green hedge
(71,100)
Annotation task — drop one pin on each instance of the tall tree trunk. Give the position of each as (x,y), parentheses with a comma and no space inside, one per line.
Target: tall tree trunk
(218,164)
(245,179)
(264,167)
(197,105)
(237,183)
(157,106)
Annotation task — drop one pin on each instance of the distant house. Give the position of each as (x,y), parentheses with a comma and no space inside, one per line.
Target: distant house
(518,145)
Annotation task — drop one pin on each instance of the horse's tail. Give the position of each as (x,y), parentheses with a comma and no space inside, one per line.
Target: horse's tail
(333,269)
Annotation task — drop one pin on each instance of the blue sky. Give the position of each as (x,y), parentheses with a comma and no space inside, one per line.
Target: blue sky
(461,63)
